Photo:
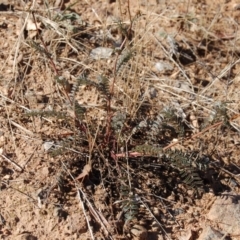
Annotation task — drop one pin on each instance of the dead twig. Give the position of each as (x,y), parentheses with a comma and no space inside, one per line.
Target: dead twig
(17,166)
(84,212)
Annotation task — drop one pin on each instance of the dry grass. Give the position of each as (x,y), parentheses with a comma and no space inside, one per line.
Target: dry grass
(109,122)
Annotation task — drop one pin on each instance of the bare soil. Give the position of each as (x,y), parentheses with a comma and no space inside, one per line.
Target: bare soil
(78,194)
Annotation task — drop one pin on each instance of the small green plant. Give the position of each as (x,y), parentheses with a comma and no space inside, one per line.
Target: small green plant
(128,140)
(129,203)
(145,134)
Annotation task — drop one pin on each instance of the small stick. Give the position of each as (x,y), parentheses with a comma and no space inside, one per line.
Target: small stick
(84,212)
(30,157)
(21,127)
(17,166)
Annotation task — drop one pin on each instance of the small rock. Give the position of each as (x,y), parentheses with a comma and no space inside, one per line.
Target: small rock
(56,211)
(76,224)
(156,211)
(226,213)
(45,171)
(101,52)
(178,211)
(186,235)
(236,7)
(210,233)
(26,236)
(139,232)
(163,65)
(59,212)
(152,92)
(47,145)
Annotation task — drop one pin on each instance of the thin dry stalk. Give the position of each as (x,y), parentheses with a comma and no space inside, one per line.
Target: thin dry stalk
(84,212)
(145,205)
(95,214)
(98,216)
(17,166)
(223,72)
(21,127)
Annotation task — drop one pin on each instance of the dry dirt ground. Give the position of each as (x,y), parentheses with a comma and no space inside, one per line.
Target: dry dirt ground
(64,172)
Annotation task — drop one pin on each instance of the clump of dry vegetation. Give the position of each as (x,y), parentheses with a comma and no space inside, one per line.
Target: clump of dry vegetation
(132,117)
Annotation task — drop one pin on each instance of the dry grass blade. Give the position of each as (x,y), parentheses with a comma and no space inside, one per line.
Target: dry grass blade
(222,73)
(155,119)
(86,217)
(21,128)
(167,236)
(17,166)
(94,213)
